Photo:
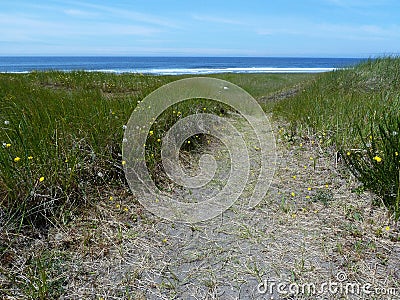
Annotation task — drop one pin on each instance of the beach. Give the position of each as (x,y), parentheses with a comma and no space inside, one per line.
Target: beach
(72,227)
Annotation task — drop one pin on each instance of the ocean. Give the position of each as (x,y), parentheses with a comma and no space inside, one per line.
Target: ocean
(174,65)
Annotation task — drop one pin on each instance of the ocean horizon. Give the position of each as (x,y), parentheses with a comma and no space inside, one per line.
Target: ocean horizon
(174,65)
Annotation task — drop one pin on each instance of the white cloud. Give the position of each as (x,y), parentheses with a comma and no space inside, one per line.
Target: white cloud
(19,27)
(127,15)
(357,3)
(316,30)
(79,13)
(213,19)
(111,29)
(359,32)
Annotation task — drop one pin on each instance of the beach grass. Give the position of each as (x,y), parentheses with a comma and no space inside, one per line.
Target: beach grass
(355,111)
(61,135)
(71,228)
(62,131)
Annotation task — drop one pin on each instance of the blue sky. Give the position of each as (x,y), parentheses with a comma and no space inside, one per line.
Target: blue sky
(330,28)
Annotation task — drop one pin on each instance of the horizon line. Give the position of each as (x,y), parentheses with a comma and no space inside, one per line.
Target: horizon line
(378,55)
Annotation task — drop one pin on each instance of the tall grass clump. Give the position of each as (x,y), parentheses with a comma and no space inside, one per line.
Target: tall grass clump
(347,105)
(377,163)
(60,136)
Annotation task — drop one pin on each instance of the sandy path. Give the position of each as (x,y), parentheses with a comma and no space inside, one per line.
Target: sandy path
(287,238)
(117,250)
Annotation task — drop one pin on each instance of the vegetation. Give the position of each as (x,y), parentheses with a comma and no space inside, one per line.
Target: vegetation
(377,163)
(61,132)
(356,111)
(60,164)
(61,135)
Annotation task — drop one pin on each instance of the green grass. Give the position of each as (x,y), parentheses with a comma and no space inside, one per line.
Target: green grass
(61,135)
(264,85)
(336,102)
(344,109)
(61,132)
(67,128)
(377,163)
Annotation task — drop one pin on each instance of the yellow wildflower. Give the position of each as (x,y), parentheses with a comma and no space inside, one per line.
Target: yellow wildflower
(348,153)
(111,198)
(307,197)
(123,162)
(30,157)
(309,189)
(188,142)
(387,228)
(293,194)
(164,240)
(294,216)
(311,158)
(301,144)
(151,132)
(117,206)
(205,108)
(396,153)
(41,179)
(8,145)
(326,185)
(17,159)
(294,177)
(126,209)
(377,158)
(158,140)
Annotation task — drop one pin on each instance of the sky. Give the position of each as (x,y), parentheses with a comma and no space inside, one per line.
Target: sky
(308,28)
